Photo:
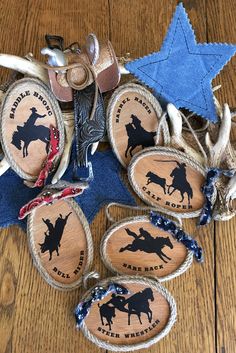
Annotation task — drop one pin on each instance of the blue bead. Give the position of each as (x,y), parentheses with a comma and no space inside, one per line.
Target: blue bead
(172,227)
(179,235)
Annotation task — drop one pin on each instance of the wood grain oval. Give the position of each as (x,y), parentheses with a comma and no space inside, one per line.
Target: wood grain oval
(136,246)
(133,118)
(60,243)
(168,179)
(120,335)
(27,111)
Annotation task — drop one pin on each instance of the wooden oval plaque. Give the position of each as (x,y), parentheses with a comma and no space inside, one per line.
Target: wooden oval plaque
(136,246)
(28,110)
(133,117)
(168,179)
(60,243)
(132,321)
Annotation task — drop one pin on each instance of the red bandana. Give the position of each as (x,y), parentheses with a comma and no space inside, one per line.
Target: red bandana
(49,163)
(48,197)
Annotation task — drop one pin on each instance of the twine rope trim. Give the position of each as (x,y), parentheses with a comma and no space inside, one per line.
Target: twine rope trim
(98,293)
(195,137)
(134,208)
(134,88)
(58,117)
(36,259)
(162,129)
(123,280)
(88,276)
(165,151)
(131,220)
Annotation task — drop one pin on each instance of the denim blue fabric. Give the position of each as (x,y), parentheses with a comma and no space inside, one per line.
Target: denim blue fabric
(182,71)
(106,187)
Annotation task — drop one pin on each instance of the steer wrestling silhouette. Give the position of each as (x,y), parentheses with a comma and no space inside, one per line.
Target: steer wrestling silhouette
(107,310)
(53,235)
(137,304)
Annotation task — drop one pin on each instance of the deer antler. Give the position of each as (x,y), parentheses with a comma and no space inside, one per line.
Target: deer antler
(231,189)
(121,63)
(222,151)
(4,166)
(217,150)
(176,133)
(24,66)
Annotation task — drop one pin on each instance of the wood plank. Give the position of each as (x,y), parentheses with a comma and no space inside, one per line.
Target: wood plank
(44,320)
(10,239)
(145,25)
(10,261)
(226,286)
(220,19)
(11,34)
(42,316)
(221,28)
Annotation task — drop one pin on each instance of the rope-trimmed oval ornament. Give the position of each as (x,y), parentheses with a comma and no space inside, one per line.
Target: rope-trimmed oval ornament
(28,111)
(135,246)
(169,180)
(133,119)
(126,313)
(60,243)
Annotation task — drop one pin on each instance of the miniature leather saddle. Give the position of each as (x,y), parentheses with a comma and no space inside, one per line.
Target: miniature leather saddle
(59,237)
(80,66)
(90,71)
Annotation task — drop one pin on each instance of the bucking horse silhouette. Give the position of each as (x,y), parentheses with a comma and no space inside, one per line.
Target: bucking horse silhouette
(147,243)
(53,235)
(137,304)
(138,136)
(30,132)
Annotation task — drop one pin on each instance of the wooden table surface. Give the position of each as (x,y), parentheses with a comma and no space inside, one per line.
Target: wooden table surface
(35,318)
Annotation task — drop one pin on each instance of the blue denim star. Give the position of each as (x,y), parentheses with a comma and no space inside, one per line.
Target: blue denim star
(106,187)
(182,71)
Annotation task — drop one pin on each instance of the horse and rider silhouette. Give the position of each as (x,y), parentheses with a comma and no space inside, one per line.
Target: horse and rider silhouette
(137,304)
(53,235)
(137,136)
(179,181)
(30,132)
(147,243)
